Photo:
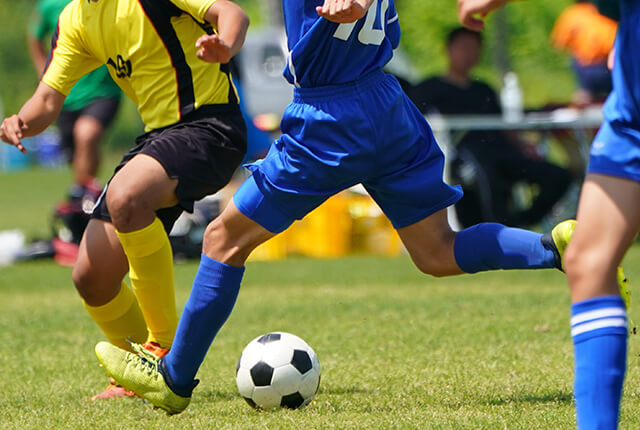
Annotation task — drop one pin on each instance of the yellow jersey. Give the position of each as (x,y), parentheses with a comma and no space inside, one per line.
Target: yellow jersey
(149,48)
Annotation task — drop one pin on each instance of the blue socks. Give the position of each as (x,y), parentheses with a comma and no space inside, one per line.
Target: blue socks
(599,331)
(214,292)
(490,246)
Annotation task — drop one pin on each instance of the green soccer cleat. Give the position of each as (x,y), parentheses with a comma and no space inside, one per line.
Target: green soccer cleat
(142,374)
(558,240)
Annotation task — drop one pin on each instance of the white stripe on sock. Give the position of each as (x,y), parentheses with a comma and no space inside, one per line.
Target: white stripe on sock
(598,324)
(598,313)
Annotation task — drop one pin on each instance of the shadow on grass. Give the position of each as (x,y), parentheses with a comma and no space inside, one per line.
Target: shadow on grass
(339,391)
(228,396)
(557,397)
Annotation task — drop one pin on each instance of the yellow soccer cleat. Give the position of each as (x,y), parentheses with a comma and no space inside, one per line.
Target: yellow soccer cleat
(562,234)
(142,374)
(623,284)
(558,240)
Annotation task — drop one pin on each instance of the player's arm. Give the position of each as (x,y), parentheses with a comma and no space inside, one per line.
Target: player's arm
(37,28)
(231,23)
(36,115)
(37,53)
(344,11)
(471,13)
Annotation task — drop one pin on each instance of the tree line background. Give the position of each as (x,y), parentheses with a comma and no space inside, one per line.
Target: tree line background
(523,29)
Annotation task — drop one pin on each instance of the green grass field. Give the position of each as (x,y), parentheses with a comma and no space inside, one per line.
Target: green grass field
(398,349)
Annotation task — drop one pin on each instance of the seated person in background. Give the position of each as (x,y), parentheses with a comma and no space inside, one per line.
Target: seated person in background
(489,162)
(589,37)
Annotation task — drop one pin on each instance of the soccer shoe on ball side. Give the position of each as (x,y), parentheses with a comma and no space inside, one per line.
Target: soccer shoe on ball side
(140,373)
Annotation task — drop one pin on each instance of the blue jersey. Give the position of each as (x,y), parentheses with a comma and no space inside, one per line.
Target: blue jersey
(324,53)
(623,105)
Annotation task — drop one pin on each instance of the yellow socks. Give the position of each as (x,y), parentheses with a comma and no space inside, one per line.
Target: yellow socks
(151,272)
(120,319)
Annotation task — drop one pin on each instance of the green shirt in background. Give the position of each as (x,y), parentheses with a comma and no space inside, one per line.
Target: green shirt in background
(95,85)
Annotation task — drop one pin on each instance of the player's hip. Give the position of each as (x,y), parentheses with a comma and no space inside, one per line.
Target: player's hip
(616,151)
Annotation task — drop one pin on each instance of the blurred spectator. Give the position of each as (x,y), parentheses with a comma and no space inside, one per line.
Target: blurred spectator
(89,108)
(589,37)
(488,163)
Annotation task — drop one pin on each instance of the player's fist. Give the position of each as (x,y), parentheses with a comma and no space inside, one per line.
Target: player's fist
(11,132)
(343,11)
(213,49)
(472,12)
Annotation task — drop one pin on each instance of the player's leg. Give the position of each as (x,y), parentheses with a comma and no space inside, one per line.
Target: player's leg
(88,131)
(437,250)
(87,134)
(228,241)
(608,220)
(98,276)
(133,196)
(411,192)
(430,245)
(172,169)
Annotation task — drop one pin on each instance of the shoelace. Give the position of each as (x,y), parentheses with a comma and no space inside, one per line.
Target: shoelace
(144,359)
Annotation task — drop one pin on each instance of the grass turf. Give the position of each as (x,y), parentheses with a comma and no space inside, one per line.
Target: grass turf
(398,349)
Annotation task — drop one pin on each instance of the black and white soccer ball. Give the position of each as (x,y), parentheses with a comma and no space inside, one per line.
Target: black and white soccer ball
(278,369)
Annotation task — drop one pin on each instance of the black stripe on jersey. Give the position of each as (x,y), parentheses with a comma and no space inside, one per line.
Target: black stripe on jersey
(226,69)
(54,45)
(159,13)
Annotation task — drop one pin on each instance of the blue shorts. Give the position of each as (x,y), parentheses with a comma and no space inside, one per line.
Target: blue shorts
(335,137)
(616,151)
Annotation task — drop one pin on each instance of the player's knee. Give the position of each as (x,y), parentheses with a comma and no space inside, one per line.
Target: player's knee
(228,246)
(83,280)
(584,264)
(87,132)
(123,205)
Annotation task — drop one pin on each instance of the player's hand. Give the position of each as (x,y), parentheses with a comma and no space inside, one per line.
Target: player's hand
(343,11)
(11,132)
(213,49)
(471,13)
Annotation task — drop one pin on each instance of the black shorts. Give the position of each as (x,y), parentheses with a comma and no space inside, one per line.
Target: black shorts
(103,109)
(202,152)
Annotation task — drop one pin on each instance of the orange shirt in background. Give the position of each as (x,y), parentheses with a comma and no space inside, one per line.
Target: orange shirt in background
(586,34)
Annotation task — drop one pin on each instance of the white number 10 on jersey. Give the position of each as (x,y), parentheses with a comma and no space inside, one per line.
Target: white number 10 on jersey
(367,35)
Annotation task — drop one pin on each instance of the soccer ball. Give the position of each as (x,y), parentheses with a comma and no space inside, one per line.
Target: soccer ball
(278,369)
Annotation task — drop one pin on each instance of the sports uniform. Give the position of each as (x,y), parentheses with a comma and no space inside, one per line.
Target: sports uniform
(349,123)
(189,107)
